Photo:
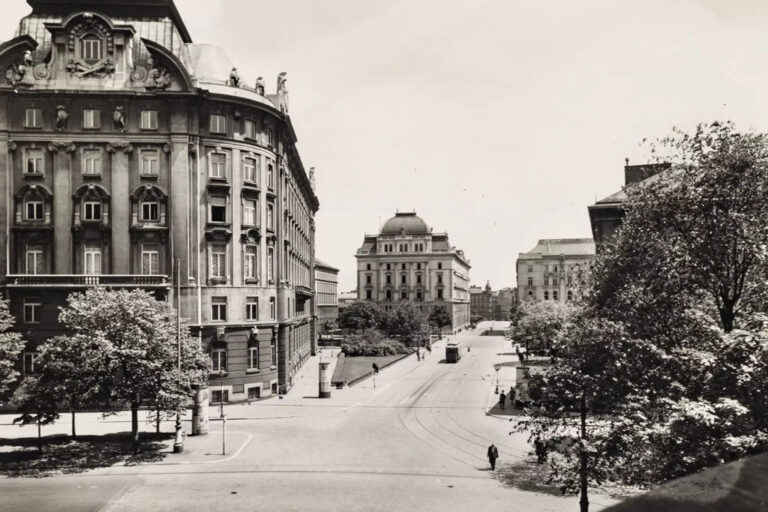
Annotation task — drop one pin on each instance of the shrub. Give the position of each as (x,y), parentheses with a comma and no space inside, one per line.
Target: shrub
(372,343)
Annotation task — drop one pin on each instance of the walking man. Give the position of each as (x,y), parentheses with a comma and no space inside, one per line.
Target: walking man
(493,454)
(511,396)
(502,399)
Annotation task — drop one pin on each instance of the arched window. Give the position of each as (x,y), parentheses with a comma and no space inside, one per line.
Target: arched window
(149,205)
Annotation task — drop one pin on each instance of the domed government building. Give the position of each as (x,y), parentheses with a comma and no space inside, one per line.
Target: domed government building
(132,157)
(407,261)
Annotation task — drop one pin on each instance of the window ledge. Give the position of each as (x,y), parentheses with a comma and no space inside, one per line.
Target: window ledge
(149,176)
(273,367)
(34,175)
(92,176)
(251,281)
(219,374)
(250,371)
(218,280)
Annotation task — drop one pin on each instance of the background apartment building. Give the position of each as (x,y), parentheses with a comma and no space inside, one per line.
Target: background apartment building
(326,296)
(548,271)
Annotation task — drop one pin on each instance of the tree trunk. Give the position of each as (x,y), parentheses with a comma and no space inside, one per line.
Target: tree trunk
(74,432)
(727,315)
(584,501)
(39,436)
(135,427)
(157,420)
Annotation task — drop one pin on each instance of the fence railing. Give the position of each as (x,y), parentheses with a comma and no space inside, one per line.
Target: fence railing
(79,280)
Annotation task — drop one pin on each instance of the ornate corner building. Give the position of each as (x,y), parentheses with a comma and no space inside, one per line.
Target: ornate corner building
(133,158)
(407,261)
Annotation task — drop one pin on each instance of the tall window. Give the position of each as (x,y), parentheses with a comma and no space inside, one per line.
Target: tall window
(150,162)
(273,349)
(389,279)
(35,263)
(32,307)
(439,265)
(34,161)
(218,165)
(250,262)
(272,309)
(249,169)
(252,308)
(439,293)
(554,295)
(368,294)
(570,295)
(418,278)
(270,216)
(530,269)
(219,309)
(219,261)
(92,259)
(33,118)
(270,175)
(150,210)
(253,357)
(440,278)
(30,358)
(249,212)
(91,161)
(218,123)
(554,281)
(388,294)
(530,281)
(402,279)
(271,264)
(403,295)
(546,295)
(419,296)
(150,259)
(270,136)
(91,118)
(368,279)
(219,360)
(90,49)
(34,210)
(92,210)
(149,119)
(250,129)
(218,209)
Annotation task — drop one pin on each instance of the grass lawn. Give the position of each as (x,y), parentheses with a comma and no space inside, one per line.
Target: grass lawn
(351,368)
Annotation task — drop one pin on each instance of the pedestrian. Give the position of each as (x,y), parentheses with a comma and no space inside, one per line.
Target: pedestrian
(540,453)
(502,399)
(429,348)
(418,354)
(493,454)
(511,396)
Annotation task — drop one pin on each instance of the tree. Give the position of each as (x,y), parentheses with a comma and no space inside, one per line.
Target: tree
(70,368)
(11,347)
(439,317)
(539,323)
(406,322)
(36,405)
(360,316)
(697,230)
(135,337)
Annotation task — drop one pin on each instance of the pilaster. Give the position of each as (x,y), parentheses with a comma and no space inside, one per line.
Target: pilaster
(61,252)
(121,206)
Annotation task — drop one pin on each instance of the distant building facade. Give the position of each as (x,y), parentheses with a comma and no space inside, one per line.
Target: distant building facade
(326,295)
(487,304)
(131,157)
(547,271)
(407,261)
(606,215)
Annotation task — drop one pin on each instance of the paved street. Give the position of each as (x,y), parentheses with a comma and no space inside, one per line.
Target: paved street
(416,440)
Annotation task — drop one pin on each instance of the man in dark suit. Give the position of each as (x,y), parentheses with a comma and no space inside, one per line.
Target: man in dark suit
(493,454)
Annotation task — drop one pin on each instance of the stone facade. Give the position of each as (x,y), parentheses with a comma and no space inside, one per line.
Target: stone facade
(487,304)
(547,271)
(326,295)
(407,261)
(131,157)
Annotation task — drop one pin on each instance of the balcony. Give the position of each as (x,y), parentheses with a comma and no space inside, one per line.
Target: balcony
(84,281)
(303,290)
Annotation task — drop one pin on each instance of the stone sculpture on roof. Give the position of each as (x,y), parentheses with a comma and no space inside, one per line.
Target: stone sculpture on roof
(282,93)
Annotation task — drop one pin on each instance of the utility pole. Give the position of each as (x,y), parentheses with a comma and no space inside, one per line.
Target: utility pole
(178,444)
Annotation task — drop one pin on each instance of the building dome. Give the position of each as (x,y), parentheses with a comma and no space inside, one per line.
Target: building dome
(406,223)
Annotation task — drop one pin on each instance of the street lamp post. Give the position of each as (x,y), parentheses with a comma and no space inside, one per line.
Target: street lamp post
(178,444)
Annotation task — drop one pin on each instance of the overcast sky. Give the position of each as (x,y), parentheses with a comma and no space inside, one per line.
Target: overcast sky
(497,121)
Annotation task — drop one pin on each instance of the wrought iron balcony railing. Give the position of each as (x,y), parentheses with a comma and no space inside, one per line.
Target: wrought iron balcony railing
(85,280)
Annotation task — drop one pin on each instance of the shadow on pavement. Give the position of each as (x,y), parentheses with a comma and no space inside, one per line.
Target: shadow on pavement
(61,454)
(526,475)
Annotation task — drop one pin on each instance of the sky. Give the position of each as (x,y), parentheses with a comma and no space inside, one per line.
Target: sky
(497,121)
